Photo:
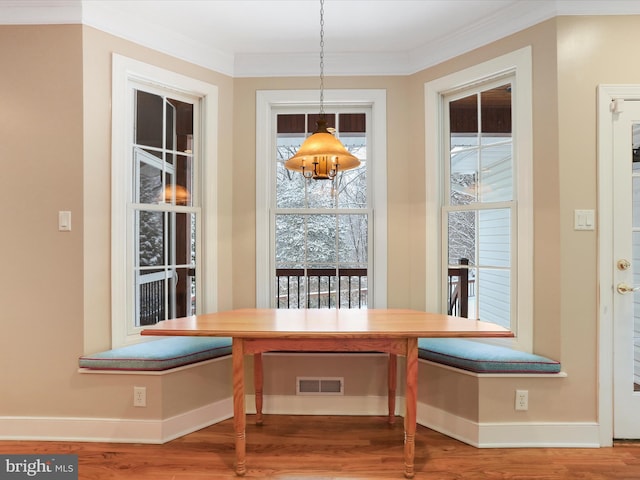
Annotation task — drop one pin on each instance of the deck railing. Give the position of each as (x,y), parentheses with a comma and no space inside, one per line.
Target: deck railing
(459,289)
(348,288)
(151,300)
(321,288)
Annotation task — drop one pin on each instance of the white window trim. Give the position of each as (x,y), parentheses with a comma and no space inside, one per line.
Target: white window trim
(518,62)
(266,101)
(125,70)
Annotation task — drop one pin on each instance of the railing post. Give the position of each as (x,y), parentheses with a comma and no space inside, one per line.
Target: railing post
(464,288)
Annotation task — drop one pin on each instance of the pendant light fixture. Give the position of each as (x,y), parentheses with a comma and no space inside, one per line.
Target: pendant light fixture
(321,155)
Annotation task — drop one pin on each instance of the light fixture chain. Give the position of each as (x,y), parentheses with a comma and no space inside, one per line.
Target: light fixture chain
(321,58)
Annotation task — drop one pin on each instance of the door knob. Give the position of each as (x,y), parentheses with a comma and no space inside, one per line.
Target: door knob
(624,288)
(623,264)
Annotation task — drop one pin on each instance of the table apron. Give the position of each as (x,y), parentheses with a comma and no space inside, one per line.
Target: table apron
(397,346)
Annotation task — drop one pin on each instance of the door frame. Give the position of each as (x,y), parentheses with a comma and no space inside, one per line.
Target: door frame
(606,95)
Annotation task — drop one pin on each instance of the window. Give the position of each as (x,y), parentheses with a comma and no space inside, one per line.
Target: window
(321,227)
(478,202)
(159,204)
(479,167)
(315,237)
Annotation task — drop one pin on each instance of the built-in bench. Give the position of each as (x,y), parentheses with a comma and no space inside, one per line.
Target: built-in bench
(158,355)
(483,358)
(173,352)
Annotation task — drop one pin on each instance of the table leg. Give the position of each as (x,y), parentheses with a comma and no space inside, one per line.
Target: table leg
(258,380)
(411,397)
(392,384)
(239,417)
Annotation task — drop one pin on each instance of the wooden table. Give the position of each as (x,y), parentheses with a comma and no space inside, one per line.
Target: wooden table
(395,332)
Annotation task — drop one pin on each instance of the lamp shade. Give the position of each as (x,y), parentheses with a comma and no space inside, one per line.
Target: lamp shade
(321,156)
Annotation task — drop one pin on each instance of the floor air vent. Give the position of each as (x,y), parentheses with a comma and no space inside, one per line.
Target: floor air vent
(319,385)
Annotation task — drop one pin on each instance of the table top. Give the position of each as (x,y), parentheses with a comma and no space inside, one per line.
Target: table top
(326,323)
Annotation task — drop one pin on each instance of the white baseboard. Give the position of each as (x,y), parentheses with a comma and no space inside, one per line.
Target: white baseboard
(116,430)
(481,435)
(512,434)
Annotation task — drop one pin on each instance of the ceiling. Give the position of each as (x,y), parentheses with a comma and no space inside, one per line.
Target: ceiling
(244,38)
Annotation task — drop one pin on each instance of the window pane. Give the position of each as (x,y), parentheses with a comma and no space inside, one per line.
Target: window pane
(185,286)
(464,176)
(291,289)
(321,239)
(150,297)
(496,112)
(290,237)
(170,130)
(290,186)
(150,228)
(182,192)
(635,245)
(320,194)
(352,123)
(352,187)
(462,234)
(312,121)
(184,233)
(149,119)
(494,240)
(493,289)
(635,179)
(352,242)
(463,115)
(496,174)
(149,186)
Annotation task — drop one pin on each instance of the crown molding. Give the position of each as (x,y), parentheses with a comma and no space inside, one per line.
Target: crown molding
(609,7)
(508,21)
(39,12)
(104,16)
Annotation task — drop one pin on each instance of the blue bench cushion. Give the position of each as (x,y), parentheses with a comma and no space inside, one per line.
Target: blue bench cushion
(483,358)
(159,354)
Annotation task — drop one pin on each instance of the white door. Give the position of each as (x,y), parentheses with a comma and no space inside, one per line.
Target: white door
(625,117)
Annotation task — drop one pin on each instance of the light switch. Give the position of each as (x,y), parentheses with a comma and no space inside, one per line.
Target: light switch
(584,219)
(64,221)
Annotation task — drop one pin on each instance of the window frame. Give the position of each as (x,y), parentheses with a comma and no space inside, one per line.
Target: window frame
(267,102)
(517,64)
(126,75)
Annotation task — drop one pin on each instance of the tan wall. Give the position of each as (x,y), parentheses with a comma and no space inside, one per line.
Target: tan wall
(55,154)
(591,51)
(55,292)
(41,285)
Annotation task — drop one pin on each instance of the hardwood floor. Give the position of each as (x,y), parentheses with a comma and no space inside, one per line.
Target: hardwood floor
(338,447)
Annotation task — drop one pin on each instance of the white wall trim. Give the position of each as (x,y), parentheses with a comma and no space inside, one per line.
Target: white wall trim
(480,435)
(509,434)
(115,430)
